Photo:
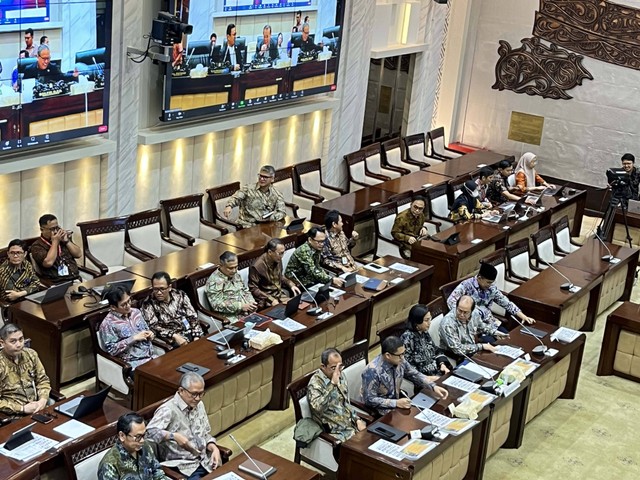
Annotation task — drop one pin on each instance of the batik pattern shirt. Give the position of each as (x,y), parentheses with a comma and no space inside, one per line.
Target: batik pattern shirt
(22,381)
(175,416)
(407,225)
(464,208)
(483,298)
(39,250)
(496,188)
(227,295)
(266,281)
(459,337)
(330,406)
(118,464)
(174,317)
(253,204)
(634,183)
(336,252)
(381,383)
(19,278)
(305,263)
(421,352)
(117,332)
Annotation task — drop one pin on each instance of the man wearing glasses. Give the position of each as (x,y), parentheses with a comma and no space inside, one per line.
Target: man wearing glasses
(169,312)
(304,264)
(54,252)
(257,203)
(131,457)
(408,228)
(381,379)
(266,282)
(461,330)
(181,426)
(124,332)
(17,278)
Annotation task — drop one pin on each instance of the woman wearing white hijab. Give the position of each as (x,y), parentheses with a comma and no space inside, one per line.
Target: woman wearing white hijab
(527,180)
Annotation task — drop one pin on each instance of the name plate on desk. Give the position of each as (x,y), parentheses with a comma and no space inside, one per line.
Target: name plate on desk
(507,390)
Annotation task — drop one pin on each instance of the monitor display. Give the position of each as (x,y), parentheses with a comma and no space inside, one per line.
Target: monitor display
(54,76)
(245,54)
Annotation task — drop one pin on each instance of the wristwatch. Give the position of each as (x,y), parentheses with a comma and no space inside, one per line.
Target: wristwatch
(172,437)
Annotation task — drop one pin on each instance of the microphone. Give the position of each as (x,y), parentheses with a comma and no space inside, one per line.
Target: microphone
(565,286)
(229,352)
(540,349)
(262,473)
(311,311)
(100,71)
(488,386)
(607,258)
(430,432)
(524,215)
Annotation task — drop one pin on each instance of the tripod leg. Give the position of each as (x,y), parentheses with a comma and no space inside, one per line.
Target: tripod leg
(626,225)
(607,222)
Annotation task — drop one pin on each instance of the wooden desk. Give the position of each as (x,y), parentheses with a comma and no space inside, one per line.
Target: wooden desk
(355,209)
(618,355)
(415,182)
(456,261)
(468,163)
(57,332)
(255,238)
(286,470)
(618,278)
(557,376)
(49,461)
(542,298)
(572,206)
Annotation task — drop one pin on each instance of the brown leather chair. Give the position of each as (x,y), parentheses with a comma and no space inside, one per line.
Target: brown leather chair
(143,234)
(415,151)
(545,250)
(392,156)
(438,145)
(218,200)
(519,265)
(185,222)
(308,176)
(359,175)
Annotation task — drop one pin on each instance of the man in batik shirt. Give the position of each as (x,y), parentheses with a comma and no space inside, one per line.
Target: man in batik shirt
(305,261)
(258,203)
(266,281)
(409,226)
(182,426)
(336,253)
(498,190)
(226,292)
(381,379)
(328,396)
(169,312)
(131,458)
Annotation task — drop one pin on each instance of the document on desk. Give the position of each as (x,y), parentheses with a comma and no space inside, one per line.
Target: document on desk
(290,325)
(387,449)
(429,416)
(416,448)
(31,449)
(509,351)
(480,397)
(459,425)
(230,476)
(403,268)
(565,335)
(461,384)
(526,366)
(74,429)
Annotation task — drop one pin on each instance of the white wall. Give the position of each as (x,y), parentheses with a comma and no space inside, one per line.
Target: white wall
(582,136)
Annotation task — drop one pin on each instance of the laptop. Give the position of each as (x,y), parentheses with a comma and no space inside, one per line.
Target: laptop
(56,292)
(295,225)
(501,217)
(280,312)
(84,405)
(554,192)
(103,290)
(227,332)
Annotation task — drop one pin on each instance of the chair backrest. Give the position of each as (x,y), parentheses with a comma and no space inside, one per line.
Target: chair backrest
(438,199)
(218,200)
(290,247)
(385,215)
(396,329)
(436,141)
(29,472)
(414,146)
(392,153)
(544,246)
(447,289)
(511,180)
(403,201)
(183,213)
(196,290)
(83,457)
(356,166)
(438,309)
(519,258)
(143,230)
(309,177)
(562,234)
(373,158)
(298,392)
(355,360)
(283,182)
(104,238)
(245,260)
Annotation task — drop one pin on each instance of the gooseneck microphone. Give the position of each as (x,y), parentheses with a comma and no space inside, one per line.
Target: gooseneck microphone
(565,286)
(489,386)
(229,352)
(262,473)
(430,432)
(311,311)
(607,258)
(540,349)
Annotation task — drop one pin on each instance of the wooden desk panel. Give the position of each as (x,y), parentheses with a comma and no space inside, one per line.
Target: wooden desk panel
(255,238)
(49,460)
(626,318)
(48,325)
(468,163)
(415,182)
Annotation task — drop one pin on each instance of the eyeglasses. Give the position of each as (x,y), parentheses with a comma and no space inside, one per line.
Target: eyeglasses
(415,207)
(136,438)
(160,289)
(264,177)
(125,304)
(194,395)
(15,254)
(464,313)
(399,355)
(51,229)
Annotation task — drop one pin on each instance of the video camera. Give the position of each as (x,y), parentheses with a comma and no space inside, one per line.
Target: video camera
(618,179)
(167,29)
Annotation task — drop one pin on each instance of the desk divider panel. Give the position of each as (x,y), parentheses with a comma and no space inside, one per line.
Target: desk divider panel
(612,289)
(500,424)
(575,315)
(392,310)
(627,358)
(77,354)
(547,387)
(471,264)
(452,464)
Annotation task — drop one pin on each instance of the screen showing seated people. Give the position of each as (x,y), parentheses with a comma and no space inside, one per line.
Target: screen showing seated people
(54,71)
(244,54)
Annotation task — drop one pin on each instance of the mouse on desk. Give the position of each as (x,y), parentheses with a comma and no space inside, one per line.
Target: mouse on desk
(220,348)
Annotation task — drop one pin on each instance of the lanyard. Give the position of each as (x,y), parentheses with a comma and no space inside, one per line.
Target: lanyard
(49,244)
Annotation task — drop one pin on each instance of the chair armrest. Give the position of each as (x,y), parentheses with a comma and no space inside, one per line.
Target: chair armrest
(393,168)
(138,253)
(215,315)
(172,474)
(225,453)
(308,195)
(187,238)
(56,396)
(204,326)
(435,223)
(207,223)
(331,187)
(513,278)
(165,238)
(366,418)
(293,207)
(438,156)
(384,178)
(417,163)
(361,406)
(101,266)
(89,271)
(161,344)
(221,219)
(330,439)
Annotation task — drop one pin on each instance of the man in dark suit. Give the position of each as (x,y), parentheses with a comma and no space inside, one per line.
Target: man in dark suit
(267,47)
(306,43)
(43,69)
(231,52)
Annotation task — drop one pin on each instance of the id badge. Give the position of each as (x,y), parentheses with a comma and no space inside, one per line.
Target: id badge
(345,261)
(63,270)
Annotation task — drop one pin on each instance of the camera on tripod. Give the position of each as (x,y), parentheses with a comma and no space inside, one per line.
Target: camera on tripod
(618,179)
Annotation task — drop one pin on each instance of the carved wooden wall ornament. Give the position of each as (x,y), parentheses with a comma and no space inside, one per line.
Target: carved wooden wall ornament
(596,28)
(536,69)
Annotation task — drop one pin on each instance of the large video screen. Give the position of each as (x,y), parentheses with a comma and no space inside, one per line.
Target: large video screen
(245,54)
(54,71)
